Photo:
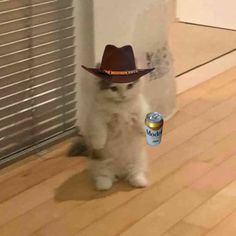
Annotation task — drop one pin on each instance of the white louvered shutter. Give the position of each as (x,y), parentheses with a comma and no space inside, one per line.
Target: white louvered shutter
(37,74)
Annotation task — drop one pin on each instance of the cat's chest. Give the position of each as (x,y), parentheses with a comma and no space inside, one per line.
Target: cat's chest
(122,123)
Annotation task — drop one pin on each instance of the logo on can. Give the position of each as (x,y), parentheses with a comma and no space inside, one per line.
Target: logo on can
(153,126)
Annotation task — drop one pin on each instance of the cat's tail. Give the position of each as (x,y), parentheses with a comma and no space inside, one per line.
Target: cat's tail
(78,147)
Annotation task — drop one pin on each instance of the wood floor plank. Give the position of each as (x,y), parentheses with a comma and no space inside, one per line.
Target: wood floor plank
(130,211)
(207,215)
(170,186)
(157,222)
(201,104)
(207,87)
(195,126)
(70,223)
(226,227)
(165,165)
(185,229)
(88,208)
(223,93)
(55,163)
(75,220)
(211,99)
(198,106)
(34,196)
(176,208)
(215,209)
(33,160)
(226,146)
(180,118)
(27,223)
(217,179)
(158,175)
(18,167)
(194,146)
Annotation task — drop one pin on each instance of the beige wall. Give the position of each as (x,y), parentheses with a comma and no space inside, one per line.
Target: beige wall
(120,23)
(84,52)
(217,13)
(99,22)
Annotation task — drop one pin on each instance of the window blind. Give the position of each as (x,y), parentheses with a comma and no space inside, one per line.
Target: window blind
(37,74)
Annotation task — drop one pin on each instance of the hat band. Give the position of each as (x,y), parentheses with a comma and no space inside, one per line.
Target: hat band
(112,72)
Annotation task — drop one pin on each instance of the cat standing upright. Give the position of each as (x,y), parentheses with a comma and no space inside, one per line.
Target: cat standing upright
(114,127)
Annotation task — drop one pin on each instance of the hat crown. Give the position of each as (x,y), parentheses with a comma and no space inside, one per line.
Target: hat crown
(118,59)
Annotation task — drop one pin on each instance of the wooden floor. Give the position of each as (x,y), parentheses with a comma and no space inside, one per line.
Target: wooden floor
(192,176)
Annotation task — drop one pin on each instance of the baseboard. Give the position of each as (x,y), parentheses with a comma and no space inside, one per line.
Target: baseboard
(205,72)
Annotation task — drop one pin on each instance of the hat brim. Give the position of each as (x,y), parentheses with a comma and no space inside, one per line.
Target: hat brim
(118,78)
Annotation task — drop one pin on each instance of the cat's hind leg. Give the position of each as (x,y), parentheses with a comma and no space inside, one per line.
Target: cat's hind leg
(138,180)
(136,173)
(102,174)
(103,182)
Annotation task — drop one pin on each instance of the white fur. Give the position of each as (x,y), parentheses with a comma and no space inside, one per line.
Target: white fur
(115,126)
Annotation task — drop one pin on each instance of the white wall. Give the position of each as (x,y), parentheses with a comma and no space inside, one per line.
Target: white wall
(122,22)
(84,52)
(219,13)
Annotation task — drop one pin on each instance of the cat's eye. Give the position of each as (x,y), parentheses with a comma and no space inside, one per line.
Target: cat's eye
(113,88)
(129,86)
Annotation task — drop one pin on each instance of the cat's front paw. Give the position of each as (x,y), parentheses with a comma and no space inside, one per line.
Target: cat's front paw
(138,180)
(103,183)
(138,124)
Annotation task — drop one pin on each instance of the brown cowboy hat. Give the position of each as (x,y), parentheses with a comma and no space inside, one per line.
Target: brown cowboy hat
(118,65)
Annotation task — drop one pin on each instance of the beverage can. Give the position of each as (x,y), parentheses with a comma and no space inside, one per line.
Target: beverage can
(153,127)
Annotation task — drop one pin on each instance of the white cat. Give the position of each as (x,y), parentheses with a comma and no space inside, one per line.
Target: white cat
(114,134)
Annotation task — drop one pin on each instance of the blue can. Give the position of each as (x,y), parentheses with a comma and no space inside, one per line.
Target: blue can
(153,127)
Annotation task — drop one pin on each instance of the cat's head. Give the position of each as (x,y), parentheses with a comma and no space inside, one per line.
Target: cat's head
(118,92)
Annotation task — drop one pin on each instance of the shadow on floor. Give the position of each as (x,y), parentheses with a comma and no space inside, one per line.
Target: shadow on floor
(81,187)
